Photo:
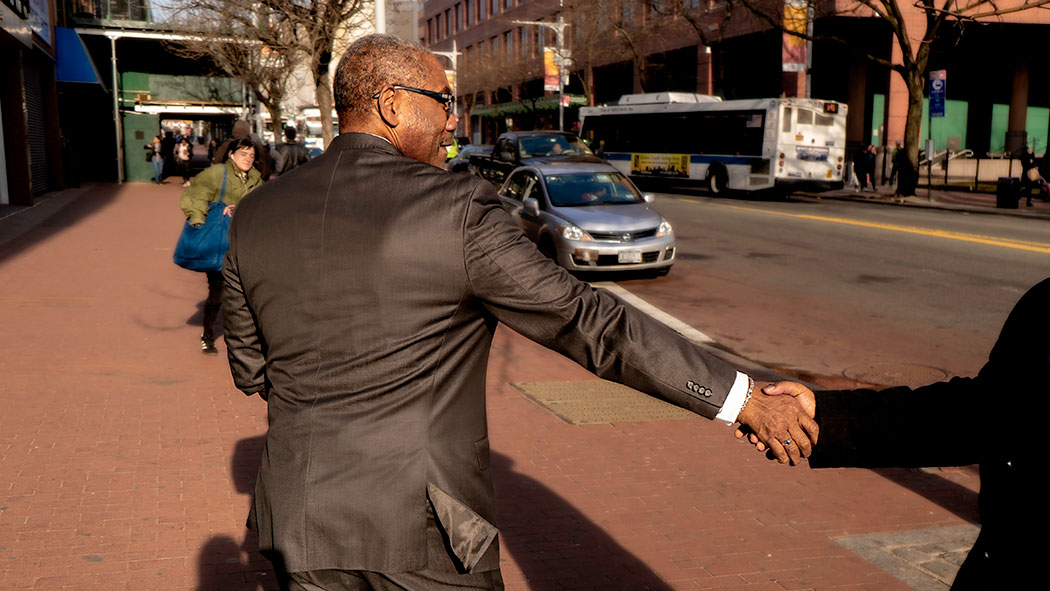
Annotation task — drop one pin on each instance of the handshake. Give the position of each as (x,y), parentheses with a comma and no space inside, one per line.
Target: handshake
(779,420)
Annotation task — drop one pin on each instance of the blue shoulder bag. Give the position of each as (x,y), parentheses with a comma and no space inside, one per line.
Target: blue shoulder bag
(202,248)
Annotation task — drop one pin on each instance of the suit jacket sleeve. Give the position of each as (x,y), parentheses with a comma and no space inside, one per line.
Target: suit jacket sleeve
(244,345)
(535,297)
(959,422)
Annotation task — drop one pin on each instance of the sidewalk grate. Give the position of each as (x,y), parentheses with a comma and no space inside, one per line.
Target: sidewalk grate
(588,402)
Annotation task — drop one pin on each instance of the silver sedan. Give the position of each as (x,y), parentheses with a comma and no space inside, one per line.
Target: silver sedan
(589,217)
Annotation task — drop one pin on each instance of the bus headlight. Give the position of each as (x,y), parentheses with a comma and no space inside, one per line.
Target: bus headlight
(664,229)
(571,232)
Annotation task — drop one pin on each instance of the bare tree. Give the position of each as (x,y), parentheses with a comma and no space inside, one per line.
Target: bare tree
(321,25)
(241,40)
(915,47)
(283,34)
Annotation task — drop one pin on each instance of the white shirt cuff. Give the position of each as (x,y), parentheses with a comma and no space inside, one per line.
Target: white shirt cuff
(735,400)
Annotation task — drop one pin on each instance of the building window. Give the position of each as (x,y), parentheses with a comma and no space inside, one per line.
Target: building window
(627,10)
(493,8)
(466,13)
(448,22)
(457,24)
(508,44)
(430,31)
(507,5)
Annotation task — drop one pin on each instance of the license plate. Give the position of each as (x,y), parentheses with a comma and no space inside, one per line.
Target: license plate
(629,256)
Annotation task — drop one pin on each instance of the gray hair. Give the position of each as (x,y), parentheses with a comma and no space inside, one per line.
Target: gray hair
(370,63)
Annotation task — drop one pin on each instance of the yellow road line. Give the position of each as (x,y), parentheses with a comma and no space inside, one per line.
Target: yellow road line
(1032,246)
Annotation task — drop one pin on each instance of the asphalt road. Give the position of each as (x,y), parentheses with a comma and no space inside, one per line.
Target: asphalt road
(843,293)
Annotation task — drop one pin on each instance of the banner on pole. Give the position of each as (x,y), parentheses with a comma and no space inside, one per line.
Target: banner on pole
(550,69)
(793,56)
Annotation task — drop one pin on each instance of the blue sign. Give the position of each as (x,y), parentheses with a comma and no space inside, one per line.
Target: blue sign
(938,87)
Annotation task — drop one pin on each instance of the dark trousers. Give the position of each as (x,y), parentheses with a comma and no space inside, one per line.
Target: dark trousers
(213,304)
(439,575)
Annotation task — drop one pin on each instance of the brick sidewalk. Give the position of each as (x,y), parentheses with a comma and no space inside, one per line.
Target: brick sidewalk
(127,457)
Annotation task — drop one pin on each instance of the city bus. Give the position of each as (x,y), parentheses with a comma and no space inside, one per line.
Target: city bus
(778,144)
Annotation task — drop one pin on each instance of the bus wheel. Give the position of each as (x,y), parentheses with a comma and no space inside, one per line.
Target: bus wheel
(717,179)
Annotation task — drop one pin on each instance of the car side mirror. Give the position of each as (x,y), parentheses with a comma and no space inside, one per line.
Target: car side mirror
(506,156)
(531,205)
(649,197)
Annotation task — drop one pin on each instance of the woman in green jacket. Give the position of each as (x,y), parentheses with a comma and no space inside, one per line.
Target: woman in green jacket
(230,182)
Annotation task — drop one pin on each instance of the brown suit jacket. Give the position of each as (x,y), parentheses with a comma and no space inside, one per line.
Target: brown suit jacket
(362,292)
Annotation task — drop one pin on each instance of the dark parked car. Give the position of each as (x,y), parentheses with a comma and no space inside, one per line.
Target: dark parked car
(589,217)
(461,162)
(523,148)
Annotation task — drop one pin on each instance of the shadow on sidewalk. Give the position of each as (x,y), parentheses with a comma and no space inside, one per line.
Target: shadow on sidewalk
(549,539)
(950,495)
(223,564)
(81,207)
(555,545)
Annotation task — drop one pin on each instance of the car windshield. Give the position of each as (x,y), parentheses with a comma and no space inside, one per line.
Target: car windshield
(552,145)
(591,188)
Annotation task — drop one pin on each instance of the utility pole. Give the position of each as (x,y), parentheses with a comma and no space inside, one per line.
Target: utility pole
(380,16)
(561,60)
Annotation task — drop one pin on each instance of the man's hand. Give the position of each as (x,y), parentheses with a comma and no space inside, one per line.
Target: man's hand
(783,424)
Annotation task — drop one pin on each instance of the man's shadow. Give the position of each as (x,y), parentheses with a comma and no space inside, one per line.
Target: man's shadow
(550,540)
(224,564)
(538,529)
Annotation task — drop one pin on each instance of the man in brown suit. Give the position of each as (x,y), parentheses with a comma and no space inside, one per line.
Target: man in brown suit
(362,292)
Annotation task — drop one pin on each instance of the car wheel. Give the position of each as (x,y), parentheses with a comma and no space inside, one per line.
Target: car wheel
(717,179)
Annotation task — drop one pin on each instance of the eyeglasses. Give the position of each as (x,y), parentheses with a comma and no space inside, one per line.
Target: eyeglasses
(444,98)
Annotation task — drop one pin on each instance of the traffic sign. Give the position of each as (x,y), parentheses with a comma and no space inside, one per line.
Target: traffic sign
(938,88)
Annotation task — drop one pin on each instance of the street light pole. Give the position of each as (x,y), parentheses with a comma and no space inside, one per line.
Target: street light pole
(453,57)
(562,60)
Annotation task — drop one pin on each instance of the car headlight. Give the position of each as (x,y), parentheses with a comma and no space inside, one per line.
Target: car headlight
(571,232)
(664,229)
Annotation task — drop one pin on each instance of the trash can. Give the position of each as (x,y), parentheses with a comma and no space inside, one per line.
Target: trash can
(1007,192)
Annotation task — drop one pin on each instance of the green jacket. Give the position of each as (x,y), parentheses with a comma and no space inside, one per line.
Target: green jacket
(207,186)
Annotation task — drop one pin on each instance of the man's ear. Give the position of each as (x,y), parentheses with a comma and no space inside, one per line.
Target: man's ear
(388,107)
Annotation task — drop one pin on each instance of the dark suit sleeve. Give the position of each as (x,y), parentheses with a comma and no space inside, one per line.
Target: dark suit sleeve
(959,422)
(535,297)
(244,345)
(927,426)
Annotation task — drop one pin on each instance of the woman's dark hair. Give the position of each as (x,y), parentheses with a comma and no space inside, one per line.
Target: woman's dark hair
(244,142)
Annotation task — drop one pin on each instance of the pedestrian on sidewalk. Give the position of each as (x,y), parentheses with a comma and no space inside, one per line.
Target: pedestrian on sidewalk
(228,182)
(154,155)
(944,424)
(290,153)
(895,163)
(360,302)
(1029,173)
(243,130)
(183,155)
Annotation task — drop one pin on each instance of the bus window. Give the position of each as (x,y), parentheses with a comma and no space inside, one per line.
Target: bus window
(825,120)
(786,126)
(805,117)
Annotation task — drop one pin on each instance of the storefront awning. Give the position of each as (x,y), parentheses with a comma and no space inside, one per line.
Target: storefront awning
(543,103)
(188,108)
(74,63)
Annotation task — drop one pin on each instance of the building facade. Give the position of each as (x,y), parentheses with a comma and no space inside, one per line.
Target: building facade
(998,96)
(30,141)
